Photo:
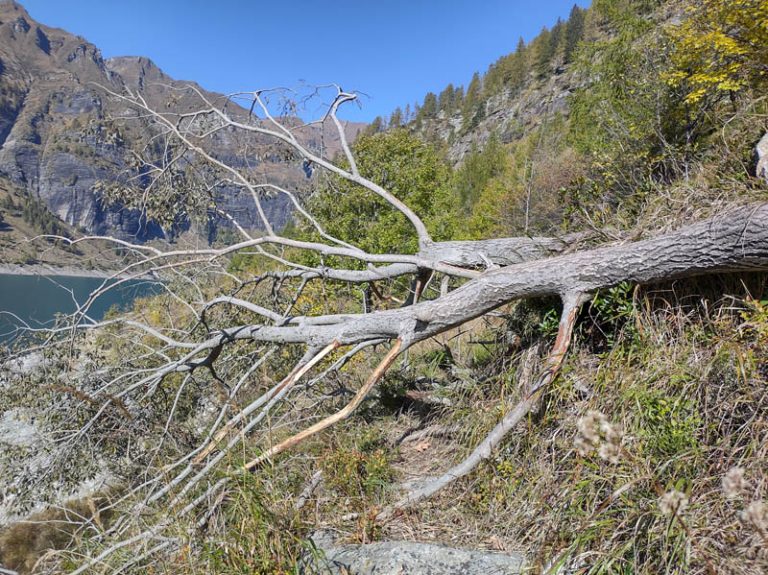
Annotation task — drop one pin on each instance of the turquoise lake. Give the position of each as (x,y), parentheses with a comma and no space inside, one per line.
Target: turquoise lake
(37,299)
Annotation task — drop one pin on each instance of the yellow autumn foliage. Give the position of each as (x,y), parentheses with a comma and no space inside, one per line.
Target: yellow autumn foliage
(720,47)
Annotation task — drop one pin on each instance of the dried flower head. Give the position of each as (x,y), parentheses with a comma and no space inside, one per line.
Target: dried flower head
(673,502)
(596,432)
(734,483)
(589,426)
(756,516)
(610,452)
(582,445)
(612,433)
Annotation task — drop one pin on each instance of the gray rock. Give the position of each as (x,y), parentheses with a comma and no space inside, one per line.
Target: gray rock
(762,158)
(17,429)
(409,557)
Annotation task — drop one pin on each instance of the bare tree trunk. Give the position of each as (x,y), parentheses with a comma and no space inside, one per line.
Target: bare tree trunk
(731,242)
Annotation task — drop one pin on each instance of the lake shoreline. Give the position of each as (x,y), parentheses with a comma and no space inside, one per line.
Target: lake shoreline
(49,270)
(29,300)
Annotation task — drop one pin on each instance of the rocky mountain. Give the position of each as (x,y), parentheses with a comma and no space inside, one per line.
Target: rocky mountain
(59,142)
(509,114)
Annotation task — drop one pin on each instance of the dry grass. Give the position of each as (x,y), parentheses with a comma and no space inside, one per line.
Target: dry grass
(26,545)
(685,380)
(680,368)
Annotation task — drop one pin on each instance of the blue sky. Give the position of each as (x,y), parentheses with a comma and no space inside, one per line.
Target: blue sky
(393,50)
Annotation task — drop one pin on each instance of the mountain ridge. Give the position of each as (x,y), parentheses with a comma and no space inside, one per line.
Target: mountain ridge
(59,141)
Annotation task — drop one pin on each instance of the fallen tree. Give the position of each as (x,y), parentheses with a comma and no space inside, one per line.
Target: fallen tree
(489,274)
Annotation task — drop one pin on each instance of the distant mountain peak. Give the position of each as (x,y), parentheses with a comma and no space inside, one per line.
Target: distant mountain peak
(11,5)
(62,138)
(136,71)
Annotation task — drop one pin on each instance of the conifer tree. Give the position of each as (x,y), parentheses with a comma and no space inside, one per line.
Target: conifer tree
(544,46)
(472,97)
(376,126)
(556,38)
(446,100)
(396,119)
(458,98)
(518,68)
(574,32)
(429,108)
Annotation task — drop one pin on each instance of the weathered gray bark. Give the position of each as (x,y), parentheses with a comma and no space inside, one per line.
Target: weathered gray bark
(461,255)
(733,241)
(499,252)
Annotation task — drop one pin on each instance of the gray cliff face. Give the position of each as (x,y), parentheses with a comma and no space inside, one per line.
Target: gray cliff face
(59,143)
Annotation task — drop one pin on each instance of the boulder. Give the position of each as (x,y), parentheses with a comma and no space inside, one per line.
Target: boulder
(399,557)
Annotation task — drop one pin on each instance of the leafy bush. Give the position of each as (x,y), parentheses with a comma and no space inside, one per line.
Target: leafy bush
(408,168)
(720,48)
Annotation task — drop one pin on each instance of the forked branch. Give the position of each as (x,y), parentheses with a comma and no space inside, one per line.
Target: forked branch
(340,415)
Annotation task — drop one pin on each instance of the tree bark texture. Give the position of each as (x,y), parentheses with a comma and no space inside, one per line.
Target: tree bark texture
(734,241)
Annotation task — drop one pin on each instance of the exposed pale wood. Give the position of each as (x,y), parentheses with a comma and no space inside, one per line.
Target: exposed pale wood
(377,374)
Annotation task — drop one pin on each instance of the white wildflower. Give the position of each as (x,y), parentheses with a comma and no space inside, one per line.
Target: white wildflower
(582,445)
(756,516)
(589,426)
(673,502)
(734,483)
(612,433)
(596,432)
(610,452)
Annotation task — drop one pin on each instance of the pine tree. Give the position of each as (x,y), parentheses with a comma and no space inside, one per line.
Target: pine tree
(518,69)
(375,127)
(396,119)
(472,98)
(574,32)
(429,108)
(445,102)
(473,90)
(521,47)
(544,46)
(556,39)
(458,98)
